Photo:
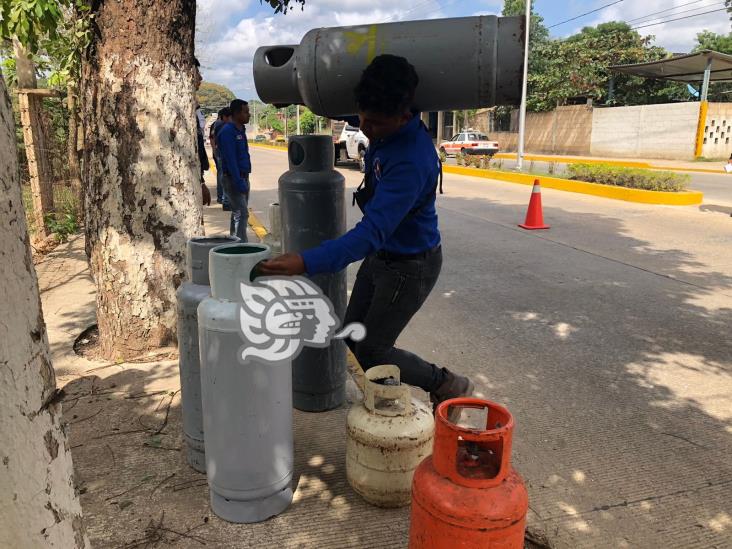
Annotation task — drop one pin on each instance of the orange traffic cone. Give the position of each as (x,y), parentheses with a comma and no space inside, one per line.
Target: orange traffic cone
(534,215)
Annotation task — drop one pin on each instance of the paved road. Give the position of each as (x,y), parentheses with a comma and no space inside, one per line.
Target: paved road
(607,336)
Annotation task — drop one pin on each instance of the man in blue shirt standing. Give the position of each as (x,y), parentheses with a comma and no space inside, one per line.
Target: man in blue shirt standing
(223,119)
(236,166)
(398,237)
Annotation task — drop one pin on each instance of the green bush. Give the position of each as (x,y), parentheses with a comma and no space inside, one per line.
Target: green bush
(634,178)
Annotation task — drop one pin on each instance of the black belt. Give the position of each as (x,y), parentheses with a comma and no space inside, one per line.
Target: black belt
(390,256)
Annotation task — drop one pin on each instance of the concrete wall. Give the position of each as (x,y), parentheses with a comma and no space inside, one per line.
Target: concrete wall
(566,130)
(648,131)
(718,131)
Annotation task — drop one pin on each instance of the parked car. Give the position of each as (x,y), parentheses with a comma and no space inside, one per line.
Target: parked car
(260,138)
(341,133)
(356,145)
(469,142)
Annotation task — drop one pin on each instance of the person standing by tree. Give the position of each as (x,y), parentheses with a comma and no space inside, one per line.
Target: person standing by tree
(398,237)
(201,145)
(234,153)
(223,119)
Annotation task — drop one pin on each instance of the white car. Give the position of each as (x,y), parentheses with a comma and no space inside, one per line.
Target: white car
(341,133)
(356,145)
(469,142)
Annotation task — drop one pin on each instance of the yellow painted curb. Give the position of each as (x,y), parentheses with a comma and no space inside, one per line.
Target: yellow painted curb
(572,160)
(684,198)
(256,225)
(271,147)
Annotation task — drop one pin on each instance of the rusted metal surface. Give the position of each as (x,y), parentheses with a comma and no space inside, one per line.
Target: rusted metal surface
(389,435)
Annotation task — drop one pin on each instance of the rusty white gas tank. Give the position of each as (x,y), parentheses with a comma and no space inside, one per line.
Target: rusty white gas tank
(389,434)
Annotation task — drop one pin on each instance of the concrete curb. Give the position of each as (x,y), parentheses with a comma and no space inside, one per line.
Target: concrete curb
(571,160)
(622,163)
(271,147)
(256,225)
(684,198)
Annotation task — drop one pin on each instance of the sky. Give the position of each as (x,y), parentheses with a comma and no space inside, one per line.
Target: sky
(229,31)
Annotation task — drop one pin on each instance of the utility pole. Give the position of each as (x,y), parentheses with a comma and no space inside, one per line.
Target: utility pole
(522,110)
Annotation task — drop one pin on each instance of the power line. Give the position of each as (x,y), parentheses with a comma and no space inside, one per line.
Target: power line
(680,12)
(664,11)
(583,14)
(679,18)
(412,9)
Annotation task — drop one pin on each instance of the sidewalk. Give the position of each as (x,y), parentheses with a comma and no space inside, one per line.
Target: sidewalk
(125,432)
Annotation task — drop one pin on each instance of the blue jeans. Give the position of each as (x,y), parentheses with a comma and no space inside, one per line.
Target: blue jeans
(239,202)
(386,295)
(221,197)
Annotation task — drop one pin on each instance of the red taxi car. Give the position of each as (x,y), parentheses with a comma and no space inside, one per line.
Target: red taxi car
(469,142)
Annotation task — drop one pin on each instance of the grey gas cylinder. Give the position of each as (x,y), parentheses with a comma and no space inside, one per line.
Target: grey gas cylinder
(462,63)
(312,208)
(189,296)
(247,404)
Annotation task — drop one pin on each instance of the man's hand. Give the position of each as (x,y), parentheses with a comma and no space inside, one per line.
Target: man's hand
(287,264)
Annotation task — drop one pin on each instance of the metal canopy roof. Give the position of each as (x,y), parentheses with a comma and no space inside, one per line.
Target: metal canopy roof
(684,68)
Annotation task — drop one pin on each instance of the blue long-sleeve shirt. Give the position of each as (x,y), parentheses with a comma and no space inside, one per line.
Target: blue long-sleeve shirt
(405,168)
(233,151)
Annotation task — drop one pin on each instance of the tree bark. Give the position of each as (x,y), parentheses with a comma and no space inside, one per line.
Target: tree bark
(140,169)
(36,149)
(38,504)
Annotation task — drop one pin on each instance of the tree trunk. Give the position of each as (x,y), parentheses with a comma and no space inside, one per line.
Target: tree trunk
(36,149)
(72,149)
(140,168)
(38,504)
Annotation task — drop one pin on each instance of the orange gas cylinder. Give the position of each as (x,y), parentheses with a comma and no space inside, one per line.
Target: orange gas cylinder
(466,494)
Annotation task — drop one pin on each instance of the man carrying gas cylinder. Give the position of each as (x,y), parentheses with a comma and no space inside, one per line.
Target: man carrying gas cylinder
(398,238)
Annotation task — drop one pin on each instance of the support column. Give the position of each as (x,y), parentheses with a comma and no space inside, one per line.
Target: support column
(39,169)
(703,107)
(440,127)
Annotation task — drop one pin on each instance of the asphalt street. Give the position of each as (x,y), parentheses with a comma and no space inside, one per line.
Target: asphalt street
(607,336)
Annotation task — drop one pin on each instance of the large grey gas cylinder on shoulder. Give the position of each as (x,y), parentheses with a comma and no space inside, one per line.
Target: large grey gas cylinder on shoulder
(190,294)
(462,63)
(247,404)
(312,208)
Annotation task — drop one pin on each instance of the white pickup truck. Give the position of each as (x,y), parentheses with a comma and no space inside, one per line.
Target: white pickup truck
(350,143)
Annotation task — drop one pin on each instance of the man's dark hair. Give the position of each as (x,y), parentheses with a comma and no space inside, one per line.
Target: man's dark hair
(226,111)
(387,86)
(236,105)
(196,63)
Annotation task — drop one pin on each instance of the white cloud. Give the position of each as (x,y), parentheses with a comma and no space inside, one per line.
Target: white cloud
(225,45)
(676,36)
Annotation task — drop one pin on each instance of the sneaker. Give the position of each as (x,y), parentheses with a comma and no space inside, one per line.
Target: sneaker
(453,386)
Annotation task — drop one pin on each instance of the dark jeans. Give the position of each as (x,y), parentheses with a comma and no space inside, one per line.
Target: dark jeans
(239,208)
(221,197)
(385,297)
